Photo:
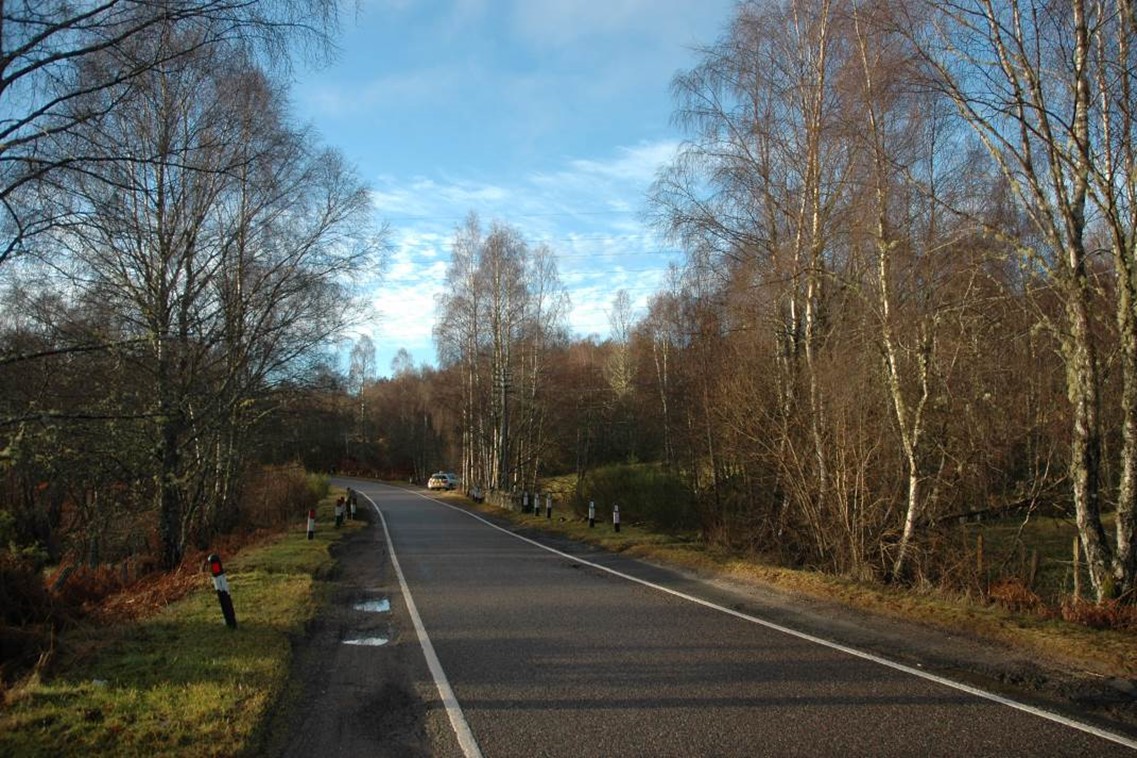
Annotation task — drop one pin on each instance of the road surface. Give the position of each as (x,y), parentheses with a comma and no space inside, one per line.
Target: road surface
(494,645)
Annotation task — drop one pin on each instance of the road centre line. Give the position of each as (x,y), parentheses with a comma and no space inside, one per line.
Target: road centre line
(959,686)
(457,719)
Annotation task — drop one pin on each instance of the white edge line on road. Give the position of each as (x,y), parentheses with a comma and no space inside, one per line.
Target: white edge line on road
(457,719)
(1048,715)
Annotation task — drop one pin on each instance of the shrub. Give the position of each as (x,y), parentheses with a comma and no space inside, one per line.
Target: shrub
(278,494)
(25,614)
(23,597)
(1109,614)
(1014,595)
(319,485)
(646,493)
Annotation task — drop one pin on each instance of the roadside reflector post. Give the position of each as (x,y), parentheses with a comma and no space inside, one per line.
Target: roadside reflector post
(616,517)
(548,505)
(221,584)
(311,523)
(591,514)
(525,501)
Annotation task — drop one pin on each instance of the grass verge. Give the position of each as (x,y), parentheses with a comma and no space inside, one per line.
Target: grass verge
(179,682)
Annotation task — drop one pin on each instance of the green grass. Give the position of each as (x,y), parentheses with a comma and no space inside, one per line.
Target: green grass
(1008,548)
(179,682)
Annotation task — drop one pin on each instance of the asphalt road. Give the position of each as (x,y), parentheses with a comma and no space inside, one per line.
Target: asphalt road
(544,654)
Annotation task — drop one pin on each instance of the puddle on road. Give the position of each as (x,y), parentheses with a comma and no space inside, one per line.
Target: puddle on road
(368,641)
(382,605)
(374,606)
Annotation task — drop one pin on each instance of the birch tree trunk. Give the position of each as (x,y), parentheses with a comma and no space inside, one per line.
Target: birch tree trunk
(909,414)
(1032,110)
(810,244)
(1115,194)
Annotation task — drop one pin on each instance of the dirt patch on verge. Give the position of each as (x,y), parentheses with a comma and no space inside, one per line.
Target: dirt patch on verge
(353,688)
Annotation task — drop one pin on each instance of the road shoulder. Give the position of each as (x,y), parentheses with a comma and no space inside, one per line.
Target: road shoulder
(355,699)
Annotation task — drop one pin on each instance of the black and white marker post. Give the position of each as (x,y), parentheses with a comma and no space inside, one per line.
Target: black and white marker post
(616,517)
(311,523)
(548,506)
(221,584)
(591,514)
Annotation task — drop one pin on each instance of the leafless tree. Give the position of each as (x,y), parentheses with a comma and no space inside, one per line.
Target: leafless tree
(665,332)
(887,121)
(544,330)
(1022,75)
(360,373)
(458,335)
(1111,31)
(56,76)
(222,241)
(502,309)
(756,193)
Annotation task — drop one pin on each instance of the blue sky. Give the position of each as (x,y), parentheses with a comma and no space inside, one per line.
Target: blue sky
(549,115)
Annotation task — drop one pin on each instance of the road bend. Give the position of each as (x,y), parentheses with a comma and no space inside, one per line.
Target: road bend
(540,653)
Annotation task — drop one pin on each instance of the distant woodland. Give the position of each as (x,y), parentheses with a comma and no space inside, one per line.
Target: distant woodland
(909,298)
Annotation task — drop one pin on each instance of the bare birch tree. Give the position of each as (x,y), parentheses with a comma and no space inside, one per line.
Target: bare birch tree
(755,193)
(887,122)
(664,329)
(457,333)
(618,369)
(485,317)
(1112,41)
(1020,74)
(547,308)
(221,241)
(54,61)
(360,373)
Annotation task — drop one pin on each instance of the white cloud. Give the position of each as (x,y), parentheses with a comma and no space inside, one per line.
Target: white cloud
(393,200)
(587,213)
(620,181)
(405,321)
(513,109)
(458,192)
(637,164)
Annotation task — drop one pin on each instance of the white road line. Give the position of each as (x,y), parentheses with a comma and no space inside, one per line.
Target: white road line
(457,719)
(1048,715)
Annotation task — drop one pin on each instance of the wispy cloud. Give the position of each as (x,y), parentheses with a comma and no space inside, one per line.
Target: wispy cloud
(636,165)
(549,115)
(588,213)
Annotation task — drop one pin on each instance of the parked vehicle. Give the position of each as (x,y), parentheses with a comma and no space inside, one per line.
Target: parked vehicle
(442,480)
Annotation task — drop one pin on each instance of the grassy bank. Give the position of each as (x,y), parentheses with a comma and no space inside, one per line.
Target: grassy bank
(178,682)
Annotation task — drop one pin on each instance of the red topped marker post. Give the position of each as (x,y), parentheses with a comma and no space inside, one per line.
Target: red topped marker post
(221,584)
